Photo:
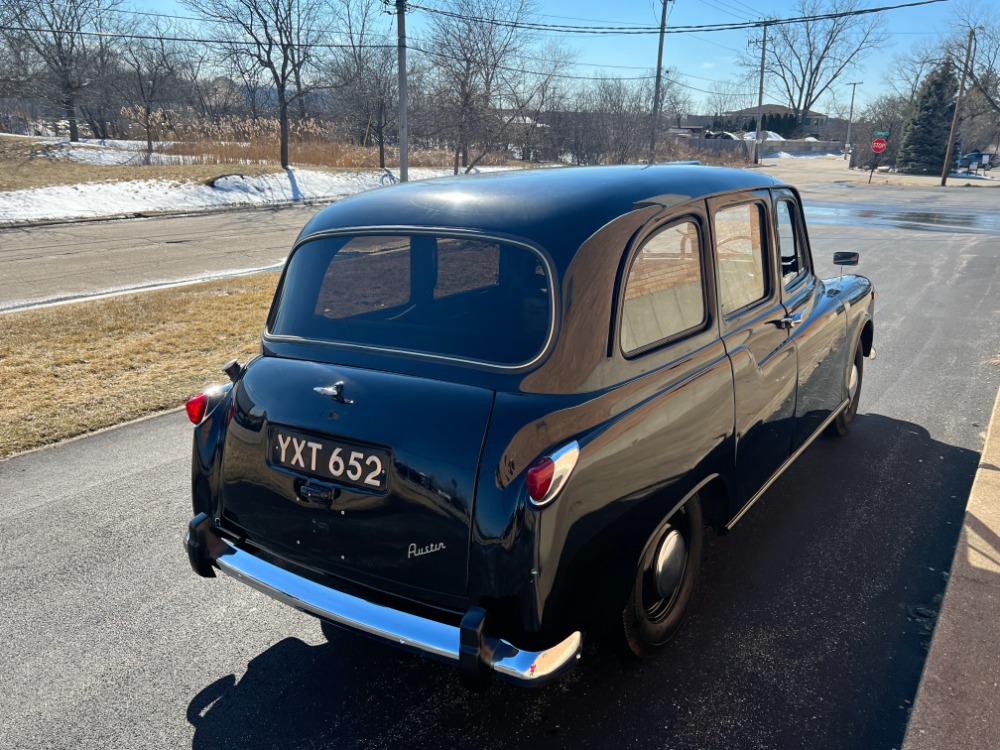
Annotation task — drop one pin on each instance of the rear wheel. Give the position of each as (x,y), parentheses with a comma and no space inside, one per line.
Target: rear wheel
(664,582)
(845,420)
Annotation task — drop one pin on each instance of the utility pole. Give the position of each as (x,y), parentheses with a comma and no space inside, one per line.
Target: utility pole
(658,88)
(850,118)
(404,146)
(958,107)
(760,100)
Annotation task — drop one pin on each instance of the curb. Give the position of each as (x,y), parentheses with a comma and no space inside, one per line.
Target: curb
(958,698)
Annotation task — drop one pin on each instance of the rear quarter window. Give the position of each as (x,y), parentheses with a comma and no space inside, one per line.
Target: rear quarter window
(470,299)
(664,294)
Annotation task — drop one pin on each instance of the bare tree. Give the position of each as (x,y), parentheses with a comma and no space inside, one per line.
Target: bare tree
(730,96)
(540,93)
(56,33)
(805,59)
(150,61)
(909,70)
(675,101)
(198,85)
(886,114)
(981,110)
(251,79)
(474,60)
(364,74)
(280,37)
(100,101)
(622,109)
(13,64)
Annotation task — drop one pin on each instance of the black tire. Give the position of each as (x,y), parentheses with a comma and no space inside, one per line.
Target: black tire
(854,377)
(650,618)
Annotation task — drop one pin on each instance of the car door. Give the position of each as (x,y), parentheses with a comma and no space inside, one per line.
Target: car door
(756,336)
(817,320)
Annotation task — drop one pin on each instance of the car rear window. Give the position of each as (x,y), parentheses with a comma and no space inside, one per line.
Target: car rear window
(470,299)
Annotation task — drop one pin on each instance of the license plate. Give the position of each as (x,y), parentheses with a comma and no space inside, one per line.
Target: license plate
(326,458)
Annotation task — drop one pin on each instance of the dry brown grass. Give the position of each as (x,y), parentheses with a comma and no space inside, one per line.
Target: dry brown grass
(71,369)
(307,152)
(680,149)
(28,164)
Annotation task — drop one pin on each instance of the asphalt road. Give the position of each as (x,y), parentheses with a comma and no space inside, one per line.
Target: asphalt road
(68,260)
(808,629)
(65,260)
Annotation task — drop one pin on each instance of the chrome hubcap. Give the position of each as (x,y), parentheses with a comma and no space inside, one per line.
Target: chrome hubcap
(670,561)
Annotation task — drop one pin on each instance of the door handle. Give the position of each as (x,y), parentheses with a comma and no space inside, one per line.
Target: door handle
(788,323)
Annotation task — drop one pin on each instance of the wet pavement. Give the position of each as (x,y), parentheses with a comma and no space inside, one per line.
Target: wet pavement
(876,217)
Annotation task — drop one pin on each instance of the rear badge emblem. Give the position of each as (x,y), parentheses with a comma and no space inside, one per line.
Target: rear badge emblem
(335,392)
(414,551)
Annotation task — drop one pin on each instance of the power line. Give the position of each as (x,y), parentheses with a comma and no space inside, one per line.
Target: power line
(628,30)
(146,13)
(183,40)
(387,37)
(247,43)
(723,7)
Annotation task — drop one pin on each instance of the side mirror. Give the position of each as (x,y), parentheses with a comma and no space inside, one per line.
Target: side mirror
(846,259)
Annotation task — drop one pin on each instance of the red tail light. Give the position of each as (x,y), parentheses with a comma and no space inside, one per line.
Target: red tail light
(196,408)
(548,475)
(540,478)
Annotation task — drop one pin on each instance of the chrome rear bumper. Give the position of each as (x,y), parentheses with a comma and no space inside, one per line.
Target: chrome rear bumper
(466,646)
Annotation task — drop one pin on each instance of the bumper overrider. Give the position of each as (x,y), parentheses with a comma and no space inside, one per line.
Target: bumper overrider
(477,654)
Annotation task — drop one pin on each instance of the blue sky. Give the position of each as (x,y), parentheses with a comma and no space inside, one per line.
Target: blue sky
(715,55)
(701,58)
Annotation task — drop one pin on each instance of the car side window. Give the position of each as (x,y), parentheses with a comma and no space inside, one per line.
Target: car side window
(739,238)
(792,254)
(663,291)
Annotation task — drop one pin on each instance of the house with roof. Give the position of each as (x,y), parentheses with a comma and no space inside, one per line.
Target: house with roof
(817,124)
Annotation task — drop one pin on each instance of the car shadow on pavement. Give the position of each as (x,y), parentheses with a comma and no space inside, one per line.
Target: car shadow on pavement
(806,631)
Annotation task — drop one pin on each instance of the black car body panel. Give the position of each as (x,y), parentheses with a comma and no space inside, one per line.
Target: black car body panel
(717,409)
(357,532)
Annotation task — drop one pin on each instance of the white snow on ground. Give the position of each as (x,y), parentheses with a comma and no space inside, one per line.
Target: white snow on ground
(973,176)
(770,136)
(117,157)
(90,200)
(786,155)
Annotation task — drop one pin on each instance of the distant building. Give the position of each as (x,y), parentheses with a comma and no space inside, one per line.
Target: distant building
(810,120)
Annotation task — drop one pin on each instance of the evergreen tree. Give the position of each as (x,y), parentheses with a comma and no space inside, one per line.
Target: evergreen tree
(790,125)
(924,141)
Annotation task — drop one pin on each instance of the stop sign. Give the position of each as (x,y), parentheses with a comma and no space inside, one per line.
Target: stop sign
(879,145)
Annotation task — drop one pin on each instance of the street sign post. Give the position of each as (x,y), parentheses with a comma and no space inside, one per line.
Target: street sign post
(879,145)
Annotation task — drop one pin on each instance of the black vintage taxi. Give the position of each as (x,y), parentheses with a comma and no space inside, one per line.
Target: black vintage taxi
(493,414)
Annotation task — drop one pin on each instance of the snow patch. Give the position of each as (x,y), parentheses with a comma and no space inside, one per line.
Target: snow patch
(770,135)
(786,155)
(94,200)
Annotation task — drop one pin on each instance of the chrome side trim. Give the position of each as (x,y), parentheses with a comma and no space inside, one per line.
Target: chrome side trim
(781,470)
(393,626)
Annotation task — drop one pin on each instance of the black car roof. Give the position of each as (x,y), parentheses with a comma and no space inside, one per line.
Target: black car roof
(556,208)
